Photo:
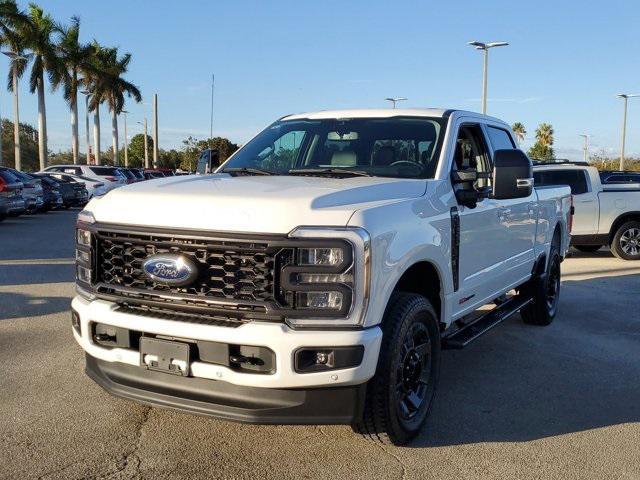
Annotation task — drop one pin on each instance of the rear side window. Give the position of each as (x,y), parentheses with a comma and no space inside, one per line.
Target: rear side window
(576,179)
(105,171)
(500,139)
(70,170)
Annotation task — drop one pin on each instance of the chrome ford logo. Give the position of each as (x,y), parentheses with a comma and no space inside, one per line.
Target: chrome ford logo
(171,269)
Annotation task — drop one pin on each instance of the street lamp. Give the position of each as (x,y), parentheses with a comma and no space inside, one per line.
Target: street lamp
(485,47)
(87,94)
(585,149)
(146,144)
(16,110)
(126,153)
(395,100)
(625,97)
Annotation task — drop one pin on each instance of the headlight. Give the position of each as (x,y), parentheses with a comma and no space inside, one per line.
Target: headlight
(84,242)
(325,281)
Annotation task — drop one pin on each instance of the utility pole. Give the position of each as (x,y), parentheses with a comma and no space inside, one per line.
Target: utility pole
(625,97)
(126,144)
(213,78)
(155,130)
(395,100)
(485,71)
(585,149)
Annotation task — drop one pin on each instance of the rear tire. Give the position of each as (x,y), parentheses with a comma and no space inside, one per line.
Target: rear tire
(400,395)
(545,292)
(626,241)
(588,248)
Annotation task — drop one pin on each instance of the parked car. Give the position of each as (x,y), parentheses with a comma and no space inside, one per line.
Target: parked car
(137,172)
(52,195)
(11,202)
(328,277)
(131,178)
(31,190)
(74,193)
(208,161)
(109,176)
(150,174)
(94,188)
(619,177)
(605,214)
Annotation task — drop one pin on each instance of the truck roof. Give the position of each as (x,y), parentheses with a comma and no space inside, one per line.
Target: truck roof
(385,113)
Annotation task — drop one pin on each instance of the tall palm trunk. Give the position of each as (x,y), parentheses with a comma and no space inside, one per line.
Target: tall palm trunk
(42,125)
(16,122)
(96,134)
(75,142)
(114,134)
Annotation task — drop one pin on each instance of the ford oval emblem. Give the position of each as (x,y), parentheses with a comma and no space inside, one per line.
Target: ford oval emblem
(170,269)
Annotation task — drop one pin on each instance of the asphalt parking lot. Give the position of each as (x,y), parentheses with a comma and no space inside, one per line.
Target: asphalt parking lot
(523,402)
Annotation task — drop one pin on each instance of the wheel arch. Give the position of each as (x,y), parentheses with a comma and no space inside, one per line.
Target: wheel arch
(621,219)
(424,278)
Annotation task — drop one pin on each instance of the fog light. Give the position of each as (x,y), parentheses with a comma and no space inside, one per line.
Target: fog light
(83,274)
(325,300)
(318,359)
(83,237)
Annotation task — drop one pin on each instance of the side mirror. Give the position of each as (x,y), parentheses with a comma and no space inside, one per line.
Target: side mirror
(512,175)
(463,176)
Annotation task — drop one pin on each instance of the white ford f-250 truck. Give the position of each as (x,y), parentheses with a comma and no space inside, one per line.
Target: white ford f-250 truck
(315,277)
(605,214)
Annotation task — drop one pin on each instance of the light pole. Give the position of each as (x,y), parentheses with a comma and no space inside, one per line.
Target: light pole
(155,130)
(395,100)
(16,110)
(87,94)
(126,154)
(146,144)
(486,47)
(585,149)
(625,97)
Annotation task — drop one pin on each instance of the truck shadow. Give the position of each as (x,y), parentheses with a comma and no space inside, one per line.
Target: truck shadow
(18,305)
(521,383)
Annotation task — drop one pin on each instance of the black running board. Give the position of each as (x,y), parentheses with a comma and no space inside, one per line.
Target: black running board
(467,334)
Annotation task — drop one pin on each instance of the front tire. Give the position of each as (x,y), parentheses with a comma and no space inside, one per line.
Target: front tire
(626,241)
(400,395)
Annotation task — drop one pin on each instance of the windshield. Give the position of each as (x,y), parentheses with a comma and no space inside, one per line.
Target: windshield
(405,147)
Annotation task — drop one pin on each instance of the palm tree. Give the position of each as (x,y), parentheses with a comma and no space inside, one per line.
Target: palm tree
(519,130)
(544,134)
(76,60)
(92,75)
(37,37)
(11,20)
(109,86)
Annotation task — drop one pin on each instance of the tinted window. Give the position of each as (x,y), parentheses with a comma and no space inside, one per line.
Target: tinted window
(500,139)
(574,178)
(105,171)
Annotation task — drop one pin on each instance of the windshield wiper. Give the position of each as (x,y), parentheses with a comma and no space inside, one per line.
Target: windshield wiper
(328,171)
(246,171)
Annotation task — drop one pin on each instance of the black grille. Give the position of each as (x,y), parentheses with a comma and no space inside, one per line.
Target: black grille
(228,270)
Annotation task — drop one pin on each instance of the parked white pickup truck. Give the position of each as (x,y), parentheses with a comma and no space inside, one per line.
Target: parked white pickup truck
(315,277)
(605,214)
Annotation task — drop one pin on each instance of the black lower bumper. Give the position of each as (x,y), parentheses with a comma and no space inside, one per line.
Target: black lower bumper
(338,405)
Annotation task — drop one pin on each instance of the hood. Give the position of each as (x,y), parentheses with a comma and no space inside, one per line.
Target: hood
(269,204)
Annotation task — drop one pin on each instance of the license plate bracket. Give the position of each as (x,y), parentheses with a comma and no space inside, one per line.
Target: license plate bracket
(164,356)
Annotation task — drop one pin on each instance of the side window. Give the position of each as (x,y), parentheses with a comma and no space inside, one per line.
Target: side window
(500,139)
(284,152)
(471,152)
(575,179)
(68,170)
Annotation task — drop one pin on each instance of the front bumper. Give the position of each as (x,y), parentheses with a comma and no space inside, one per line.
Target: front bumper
(335,405)
(278,337)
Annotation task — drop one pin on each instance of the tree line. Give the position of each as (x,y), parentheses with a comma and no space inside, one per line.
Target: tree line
(46,48)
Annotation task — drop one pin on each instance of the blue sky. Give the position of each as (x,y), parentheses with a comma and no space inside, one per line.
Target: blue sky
(566,62)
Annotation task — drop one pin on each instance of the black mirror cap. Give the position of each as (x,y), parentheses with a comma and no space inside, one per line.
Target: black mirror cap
(512,174)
